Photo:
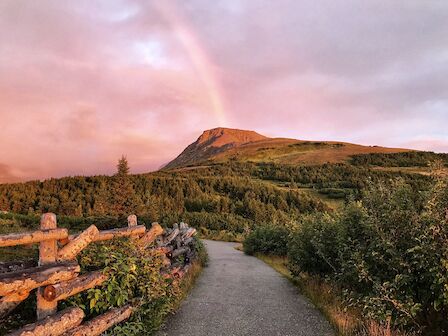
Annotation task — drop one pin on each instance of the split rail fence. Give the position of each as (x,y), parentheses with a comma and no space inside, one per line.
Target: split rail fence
(56,275)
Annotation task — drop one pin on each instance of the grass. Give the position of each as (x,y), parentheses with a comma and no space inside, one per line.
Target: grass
(291,151)
(222,235)
(327,299)
(188,282)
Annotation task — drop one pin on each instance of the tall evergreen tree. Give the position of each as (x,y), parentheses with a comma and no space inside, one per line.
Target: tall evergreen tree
(123,193)
(122,166)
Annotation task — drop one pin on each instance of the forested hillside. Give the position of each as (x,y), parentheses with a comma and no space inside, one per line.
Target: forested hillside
(233,197)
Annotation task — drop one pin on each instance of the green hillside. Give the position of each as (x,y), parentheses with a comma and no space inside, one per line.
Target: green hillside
(221,145)
(232,196)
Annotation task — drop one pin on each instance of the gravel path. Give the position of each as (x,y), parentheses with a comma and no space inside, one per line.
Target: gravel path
(241,295)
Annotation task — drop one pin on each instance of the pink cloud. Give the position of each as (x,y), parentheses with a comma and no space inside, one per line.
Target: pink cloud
(77,90)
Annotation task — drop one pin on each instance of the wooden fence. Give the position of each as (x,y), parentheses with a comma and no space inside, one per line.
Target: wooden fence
(56,276)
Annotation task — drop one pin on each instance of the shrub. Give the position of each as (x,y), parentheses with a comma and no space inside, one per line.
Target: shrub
(268,240)
(315,245)
(134,276)
(388,251)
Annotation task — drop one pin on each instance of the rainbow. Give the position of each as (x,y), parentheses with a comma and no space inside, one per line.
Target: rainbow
(199,58)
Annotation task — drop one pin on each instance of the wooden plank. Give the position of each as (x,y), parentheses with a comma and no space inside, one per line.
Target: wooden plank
(30,278)
(10,302)
(47,255)
(70,251)
(63,290)
(54,325)
(101,323)
(32,237)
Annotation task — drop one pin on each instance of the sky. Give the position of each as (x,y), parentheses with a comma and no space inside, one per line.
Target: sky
(83,82)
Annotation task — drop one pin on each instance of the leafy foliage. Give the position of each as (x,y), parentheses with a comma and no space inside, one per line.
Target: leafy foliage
(389,251)
(134,276)
(268,240)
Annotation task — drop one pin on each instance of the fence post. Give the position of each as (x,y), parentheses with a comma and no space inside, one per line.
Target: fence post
(47,254)
(132,220)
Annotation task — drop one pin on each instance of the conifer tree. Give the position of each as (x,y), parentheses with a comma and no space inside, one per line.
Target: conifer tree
(122,166)
(122,188)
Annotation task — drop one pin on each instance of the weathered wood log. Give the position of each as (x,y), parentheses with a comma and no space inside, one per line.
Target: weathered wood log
(188,241)
(183,226)
(47,255)
(70,251)
(189,233)
(26,238)
(13,266)
(150,235)
(175,226)
(178,241)
(8,303)
(180,251)
(101,323)
(132,220)
(28,279)
(121,232)
(171,236)
(54,325)
(63,290)
(164,249)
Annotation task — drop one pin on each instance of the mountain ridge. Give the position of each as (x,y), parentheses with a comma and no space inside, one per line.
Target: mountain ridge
(227,144)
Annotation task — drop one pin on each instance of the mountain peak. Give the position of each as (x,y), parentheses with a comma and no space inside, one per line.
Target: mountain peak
(222,136)
(212,142)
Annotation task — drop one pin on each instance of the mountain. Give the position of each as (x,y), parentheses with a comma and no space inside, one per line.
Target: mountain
(227,144)
(213,142)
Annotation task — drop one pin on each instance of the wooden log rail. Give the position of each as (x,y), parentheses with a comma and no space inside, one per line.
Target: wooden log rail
(38,236)
(56,275)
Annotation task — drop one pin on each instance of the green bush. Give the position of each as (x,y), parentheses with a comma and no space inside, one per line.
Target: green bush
(315,245)
(134,276)
(268,240)
(388,251)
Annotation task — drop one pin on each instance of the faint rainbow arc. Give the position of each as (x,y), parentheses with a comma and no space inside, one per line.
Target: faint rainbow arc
(198,57)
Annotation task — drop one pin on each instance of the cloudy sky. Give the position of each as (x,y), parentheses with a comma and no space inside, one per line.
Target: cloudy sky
(82,82)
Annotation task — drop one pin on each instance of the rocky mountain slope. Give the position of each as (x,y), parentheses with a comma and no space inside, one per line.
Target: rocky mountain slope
(213,142)
(226,144)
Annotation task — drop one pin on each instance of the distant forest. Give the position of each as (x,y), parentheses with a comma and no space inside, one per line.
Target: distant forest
(232,196)
(404,159)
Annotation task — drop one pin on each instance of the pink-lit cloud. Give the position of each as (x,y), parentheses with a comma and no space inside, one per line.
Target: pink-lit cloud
(82,82)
